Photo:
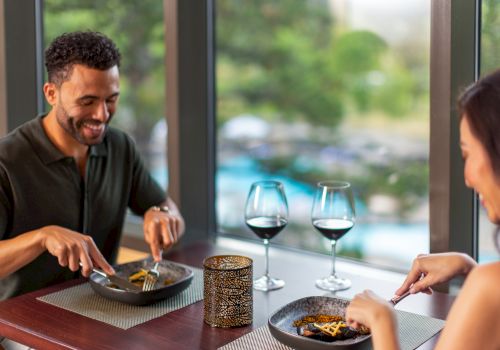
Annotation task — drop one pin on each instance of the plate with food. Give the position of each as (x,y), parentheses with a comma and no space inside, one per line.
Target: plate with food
(317,323)
(174,278)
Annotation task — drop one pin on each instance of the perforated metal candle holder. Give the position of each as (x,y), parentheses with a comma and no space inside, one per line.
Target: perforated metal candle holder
(227,290)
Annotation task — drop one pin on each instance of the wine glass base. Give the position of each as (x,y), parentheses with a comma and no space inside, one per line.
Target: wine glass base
(333,283)
(266,283)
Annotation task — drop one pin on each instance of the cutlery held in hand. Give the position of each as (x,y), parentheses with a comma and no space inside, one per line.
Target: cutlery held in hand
(152,277)
(397,299)
(174,278)
(118,281)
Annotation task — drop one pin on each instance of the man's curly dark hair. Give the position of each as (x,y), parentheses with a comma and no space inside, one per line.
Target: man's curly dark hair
(91,49)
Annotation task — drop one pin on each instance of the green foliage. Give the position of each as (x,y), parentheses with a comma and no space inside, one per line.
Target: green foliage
(490,35)
(274,64)
(288,63)
(279,59)
(407,181)
(389,98)
(357,52)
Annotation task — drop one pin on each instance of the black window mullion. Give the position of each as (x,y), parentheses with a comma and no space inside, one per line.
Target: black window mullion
(23,33)
(454,62)
(190,113)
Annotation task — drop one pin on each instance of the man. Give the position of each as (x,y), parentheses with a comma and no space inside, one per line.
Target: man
(67,177)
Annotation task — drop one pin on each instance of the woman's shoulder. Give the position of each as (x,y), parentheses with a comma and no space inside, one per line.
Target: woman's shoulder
(486,273)
(475,312)
(484,278)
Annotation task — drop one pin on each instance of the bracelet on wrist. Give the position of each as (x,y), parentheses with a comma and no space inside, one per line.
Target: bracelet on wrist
(163,209)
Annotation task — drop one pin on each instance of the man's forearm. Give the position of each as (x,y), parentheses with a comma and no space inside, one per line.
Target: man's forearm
(20,251)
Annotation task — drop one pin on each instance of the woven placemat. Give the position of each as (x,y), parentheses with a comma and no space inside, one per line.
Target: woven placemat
(82,300)
(414,330)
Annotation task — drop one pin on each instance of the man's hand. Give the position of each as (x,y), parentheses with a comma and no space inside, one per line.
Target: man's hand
(72,248)
(162,228)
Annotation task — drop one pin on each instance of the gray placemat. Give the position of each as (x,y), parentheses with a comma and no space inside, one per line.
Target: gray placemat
(414,330)
(82,300)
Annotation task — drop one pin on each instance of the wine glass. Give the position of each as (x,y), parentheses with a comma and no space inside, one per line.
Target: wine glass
(333,216)
(266,214)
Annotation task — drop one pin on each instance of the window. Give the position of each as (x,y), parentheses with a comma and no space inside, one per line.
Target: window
(317,90)
(138,30)
(490,49)
(189,92)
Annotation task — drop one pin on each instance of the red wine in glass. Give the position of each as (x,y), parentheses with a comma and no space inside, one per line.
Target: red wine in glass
(266,227)
(333,228)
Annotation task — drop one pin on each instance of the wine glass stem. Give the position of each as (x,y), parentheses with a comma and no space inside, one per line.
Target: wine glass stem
(266,245)
(334,244)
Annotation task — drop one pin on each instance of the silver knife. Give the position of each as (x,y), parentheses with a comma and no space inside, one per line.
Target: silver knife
(120,282)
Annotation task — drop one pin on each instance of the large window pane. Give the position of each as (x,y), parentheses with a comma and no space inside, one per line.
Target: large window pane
(490,50)
(137,29)
(317,90)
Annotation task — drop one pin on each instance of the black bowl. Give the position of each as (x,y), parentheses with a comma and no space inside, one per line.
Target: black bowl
(180,274)
(281,324)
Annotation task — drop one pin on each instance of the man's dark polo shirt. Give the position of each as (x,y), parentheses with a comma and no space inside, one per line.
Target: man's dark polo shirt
(40,186)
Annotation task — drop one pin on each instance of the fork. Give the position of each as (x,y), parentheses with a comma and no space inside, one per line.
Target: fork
(152,277)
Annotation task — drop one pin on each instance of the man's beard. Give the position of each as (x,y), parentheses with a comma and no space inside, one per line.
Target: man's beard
(74,127)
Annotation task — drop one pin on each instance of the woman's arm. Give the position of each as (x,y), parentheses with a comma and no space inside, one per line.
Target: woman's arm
(474,319)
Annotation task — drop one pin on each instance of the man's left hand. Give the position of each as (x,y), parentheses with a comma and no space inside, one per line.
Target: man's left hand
(162,228)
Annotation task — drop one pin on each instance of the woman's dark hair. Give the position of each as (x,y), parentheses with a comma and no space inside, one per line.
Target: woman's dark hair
(91,49)
(480,104)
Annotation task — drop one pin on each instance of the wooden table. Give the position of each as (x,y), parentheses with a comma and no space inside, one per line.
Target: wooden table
(43,326)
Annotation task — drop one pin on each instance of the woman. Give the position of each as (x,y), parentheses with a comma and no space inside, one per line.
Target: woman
(474,319)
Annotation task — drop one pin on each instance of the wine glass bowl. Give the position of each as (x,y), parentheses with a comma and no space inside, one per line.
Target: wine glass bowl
(266,214)
(333,215)
(265,227)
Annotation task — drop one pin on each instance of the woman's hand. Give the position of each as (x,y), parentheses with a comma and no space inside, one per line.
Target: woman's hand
(430,269)
(367,309)
(371,311)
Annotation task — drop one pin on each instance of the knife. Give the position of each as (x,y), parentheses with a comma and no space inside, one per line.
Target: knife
(397,299)
(120,282)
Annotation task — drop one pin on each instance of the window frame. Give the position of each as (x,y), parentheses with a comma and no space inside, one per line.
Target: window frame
(21,49)
(191,107)
(455,29)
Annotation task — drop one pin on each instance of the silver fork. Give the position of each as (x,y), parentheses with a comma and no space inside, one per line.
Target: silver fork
(152,277)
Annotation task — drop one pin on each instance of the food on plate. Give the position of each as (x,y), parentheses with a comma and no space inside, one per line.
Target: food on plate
(137,278)
(327,328)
